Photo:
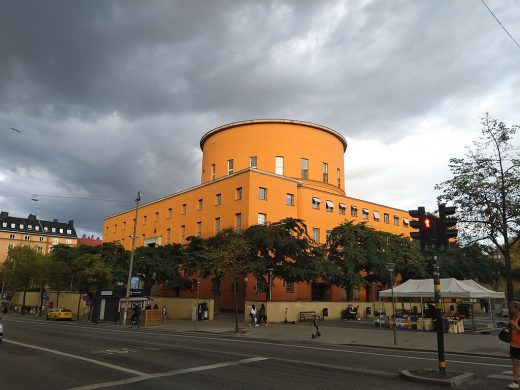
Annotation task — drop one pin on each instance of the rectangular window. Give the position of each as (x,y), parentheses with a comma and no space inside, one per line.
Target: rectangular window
(37,228)
(53,230)
(69,231)
(262,193)
(406,222)
(183,233)
(27,238)
(200,203)
(29,227)
(68,242)
(238,193)
(316,234)
(364,214)
(305,168)
(213,173)
(325,171)
(218,199)
(156,216)
(386,218)
(42,238)
(329,206)
(61,230)
(376,216)
(316,202)
(289,287)
(238,222)
(289,199)
(169,213)
(55,241)
(230,164)
(260,285)
(10,246)
(183,208)
(262,218)
(327,233)
(168,236)
(217,225)
(115,228)
(199,229)
(338,174)
(353,211)
(342,208)
(252,162)
(40,249)
(145,218)
(396,220)
(278,165)
(12,236)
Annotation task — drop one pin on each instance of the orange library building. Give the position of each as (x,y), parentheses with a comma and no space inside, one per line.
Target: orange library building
(254,172)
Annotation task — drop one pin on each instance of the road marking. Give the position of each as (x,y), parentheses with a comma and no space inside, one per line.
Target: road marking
(169,373)
(108,365)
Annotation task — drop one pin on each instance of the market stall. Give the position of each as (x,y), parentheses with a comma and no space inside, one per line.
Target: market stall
(450,288)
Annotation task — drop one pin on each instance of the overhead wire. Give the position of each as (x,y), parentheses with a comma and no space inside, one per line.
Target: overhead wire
(501,25)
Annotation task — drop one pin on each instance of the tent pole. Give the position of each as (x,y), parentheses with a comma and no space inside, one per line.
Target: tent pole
(422,308)
(491,312)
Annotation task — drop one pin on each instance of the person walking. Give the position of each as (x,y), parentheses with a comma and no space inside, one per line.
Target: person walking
(261,315)
(514,349)
(252,314)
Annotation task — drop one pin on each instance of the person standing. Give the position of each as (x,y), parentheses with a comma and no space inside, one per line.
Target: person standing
(163,311)
(514,349)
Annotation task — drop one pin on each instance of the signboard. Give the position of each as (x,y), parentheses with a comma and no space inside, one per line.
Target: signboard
(134,283)
(5,295)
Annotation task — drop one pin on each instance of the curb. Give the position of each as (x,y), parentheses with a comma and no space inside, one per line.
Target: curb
(453,379)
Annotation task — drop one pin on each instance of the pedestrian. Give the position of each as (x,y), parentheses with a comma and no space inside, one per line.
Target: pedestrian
(252,314)
(514,349)
(356,311)
(164,314)
(261,315)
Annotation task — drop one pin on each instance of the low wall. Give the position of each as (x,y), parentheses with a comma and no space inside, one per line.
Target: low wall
(181,308)
(68,300)
(279,311)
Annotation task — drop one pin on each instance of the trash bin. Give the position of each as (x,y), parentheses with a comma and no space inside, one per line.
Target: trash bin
(325,312)
(368,312)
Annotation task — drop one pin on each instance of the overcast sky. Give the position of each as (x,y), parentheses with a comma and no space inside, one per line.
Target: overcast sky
(112,97)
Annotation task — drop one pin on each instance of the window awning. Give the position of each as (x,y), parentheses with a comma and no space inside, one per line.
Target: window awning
(376,214)
(329,203)
(365,211)
(342,205)
(354,207)
(406,220)
(316,199)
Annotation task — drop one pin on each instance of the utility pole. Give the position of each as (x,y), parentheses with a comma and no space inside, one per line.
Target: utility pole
(129,281)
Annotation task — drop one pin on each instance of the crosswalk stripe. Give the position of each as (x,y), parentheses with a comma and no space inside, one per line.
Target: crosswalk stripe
(499,376)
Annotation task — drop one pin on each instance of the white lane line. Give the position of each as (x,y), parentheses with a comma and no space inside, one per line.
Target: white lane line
(500,377)
(169,373)
(108,365)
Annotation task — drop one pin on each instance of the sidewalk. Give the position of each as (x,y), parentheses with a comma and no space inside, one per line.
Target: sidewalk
(334,332)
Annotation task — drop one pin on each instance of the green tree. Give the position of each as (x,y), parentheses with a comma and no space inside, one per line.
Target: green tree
(486,190)
(28,267)
(228,257)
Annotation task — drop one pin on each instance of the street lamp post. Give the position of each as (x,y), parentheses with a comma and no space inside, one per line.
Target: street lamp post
(125,314)
(391,268)
(270,270)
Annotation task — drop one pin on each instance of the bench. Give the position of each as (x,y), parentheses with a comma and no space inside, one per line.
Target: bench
(308,315)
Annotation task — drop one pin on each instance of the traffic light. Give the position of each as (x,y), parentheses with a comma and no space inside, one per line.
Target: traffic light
(446,223)
(427,226)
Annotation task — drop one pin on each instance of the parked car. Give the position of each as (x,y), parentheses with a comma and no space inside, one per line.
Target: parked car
(60,313)
(1,331)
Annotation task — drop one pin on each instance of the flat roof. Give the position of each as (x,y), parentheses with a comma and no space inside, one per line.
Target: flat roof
(263,121)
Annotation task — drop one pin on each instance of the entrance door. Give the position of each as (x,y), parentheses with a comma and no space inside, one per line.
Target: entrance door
(318,291)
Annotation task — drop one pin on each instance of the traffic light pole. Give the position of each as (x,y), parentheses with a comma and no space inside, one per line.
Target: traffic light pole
(438,316)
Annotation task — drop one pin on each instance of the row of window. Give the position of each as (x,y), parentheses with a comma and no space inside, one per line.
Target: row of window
(36,228)
(261,286)
(365,213)
(55,241)
(279,168)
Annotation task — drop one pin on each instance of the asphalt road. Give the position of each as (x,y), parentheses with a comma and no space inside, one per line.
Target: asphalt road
(37,354)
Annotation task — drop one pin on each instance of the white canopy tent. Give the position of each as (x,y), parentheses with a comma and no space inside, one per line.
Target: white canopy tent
(450,288)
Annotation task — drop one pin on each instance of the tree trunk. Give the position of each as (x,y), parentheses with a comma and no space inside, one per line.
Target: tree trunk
(236,304)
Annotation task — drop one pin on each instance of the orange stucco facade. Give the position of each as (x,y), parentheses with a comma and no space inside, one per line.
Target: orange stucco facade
(256,171)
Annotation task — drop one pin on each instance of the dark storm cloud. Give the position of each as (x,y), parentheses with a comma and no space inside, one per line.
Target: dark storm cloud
(113,96)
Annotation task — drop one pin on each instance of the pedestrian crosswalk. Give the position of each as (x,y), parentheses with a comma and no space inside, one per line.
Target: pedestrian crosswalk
(503,375)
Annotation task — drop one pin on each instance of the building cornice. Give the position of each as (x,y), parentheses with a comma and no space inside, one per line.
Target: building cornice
(274,121)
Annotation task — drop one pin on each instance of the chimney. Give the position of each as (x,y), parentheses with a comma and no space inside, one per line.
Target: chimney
(55,220)
(71,222)
(32,218)
(4,214)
